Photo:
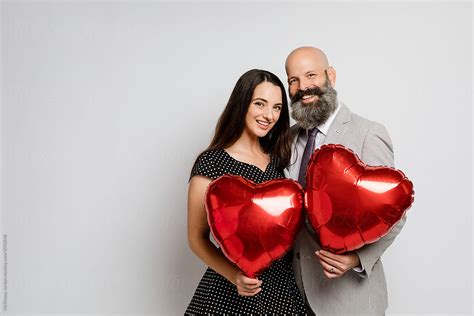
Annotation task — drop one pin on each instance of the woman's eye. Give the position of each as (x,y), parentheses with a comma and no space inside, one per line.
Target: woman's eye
(259,104)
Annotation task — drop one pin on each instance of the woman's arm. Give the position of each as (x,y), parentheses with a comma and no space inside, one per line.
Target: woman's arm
(198,239)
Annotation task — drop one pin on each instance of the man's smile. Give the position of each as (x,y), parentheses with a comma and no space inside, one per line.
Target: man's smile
(309,99)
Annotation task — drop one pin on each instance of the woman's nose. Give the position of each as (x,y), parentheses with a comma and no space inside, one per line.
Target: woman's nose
(268,113)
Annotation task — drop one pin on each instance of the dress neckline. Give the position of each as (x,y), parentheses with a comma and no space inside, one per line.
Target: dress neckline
(249,164)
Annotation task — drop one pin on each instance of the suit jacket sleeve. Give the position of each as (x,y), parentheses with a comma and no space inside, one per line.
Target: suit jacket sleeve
(377,150)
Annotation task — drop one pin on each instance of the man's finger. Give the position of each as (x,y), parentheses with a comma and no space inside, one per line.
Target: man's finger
(331,262)
(330,255)
(330,275)
(329,268)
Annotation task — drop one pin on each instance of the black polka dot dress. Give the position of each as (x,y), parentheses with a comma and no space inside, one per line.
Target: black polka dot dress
(215,295)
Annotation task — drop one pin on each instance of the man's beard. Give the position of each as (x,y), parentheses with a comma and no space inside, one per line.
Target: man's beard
(316,113)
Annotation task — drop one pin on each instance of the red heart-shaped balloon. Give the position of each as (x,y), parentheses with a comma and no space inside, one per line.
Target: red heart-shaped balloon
(351,204)
(255,224)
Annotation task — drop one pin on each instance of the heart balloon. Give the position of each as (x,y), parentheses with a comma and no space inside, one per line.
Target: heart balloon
(255,224)
(350,204)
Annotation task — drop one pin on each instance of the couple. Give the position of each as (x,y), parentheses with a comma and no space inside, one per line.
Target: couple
(253,139)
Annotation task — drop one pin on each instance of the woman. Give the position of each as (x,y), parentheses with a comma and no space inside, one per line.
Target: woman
(251,140)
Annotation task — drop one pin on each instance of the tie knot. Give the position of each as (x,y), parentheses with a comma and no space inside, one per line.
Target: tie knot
(312,132)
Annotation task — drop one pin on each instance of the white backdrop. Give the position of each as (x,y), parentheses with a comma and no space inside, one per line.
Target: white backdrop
(106,105)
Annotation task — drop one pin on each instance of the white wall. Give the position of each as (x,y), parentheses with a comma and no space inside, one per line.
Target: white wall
(106,105)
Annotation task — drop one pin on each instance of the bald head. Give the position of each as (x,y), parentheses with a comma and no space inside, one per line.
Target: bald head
(307,52)
(308,67)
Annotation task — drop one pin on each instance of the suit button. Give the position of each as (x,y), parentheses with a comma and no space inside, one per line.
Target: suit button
(297,255)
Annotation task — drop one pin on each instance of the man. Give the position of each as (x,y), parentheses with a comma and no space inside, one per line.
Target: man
(352,283)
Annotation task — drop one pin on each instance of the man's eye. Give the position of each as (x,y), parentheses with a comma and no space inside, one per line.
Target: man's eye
(292,81)
(312,75)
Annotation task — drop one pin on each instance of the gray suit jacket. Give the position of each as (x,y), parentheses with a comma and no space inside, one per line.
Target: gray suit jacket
(354,293)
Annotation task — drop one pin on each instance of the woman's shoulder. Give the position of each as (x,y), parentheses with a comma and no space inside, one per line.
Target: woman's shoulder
(212,153)
(211,156)
(208,164)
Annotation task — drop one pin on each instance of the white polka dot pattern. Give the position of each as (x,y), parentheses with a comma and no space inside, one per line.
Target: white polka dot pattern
(215,295)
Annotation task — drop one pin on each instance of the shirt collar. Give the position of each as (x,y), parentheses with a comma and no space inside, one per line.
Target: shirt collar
(324,128)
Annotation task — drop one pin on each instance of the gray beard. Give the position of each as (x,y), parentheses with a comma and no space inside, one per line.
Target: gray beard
(317,113)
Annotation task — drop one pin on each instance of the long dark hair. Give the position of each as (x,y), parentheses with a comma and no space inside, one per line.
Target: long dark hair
(231,123)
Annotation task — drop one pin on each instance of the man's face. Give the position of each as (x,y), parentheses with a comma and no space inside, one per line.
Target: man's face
(313,99)
(303,73)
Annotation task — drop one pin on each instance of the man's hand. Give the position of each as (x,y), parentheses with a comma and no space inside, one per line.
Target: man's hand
(334,265)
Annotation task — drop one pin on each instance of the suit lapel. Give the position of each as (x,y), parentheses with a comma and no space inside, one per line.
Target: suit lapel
(338,126)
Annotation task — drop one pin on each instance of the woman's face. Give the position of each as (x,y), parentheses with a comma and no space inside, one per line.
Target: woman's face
(264,109)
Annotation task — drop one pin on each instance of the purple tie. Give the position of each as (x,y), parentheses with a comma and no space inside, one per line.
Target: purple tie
(308,151)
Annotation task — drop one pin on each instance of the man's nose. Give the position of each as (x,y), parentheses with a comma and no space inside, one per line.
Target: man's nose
(304,84)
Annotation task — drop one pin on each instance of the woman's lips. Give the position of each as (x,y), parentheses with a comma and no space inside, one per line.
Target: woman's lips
(263,124)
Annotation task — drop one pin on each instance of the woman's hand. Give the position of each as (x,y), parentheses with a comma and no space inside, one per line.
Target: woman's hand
(247,286)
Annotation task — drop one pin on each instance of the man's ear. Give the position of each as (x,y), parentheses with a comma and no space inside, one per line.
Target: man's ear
(331,75)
